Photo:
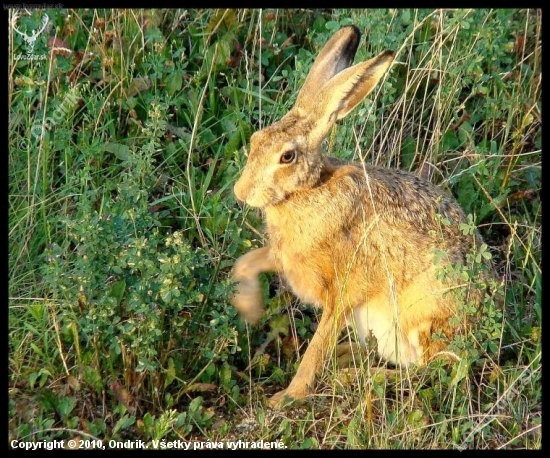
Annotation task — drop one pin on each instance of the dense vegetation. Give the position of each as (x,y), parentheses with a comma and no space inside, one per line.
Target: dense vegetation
(125,140)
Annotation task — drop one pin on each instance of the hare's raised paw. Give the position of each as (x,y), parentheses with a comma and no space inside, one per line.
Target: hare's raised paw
(249,306)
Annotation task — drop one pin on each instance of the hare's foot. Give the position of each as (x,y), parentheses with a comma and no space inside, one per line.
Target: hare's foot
(348,354)
(288,396)
(248,296)
(248,302)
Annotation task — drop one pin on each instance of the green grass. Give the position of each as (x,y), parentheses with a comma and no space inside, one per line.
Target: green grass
(123,227)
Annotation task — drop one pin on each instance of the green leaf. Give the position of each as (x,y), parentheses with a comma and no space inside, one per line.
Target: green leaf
(280,325)
(319,23)
(195,407)
(449,141)
(174,82)
(65,405)
(460,372)
(119,150)
(166,295)
(408,150)
(117,290)
(170,372)
(486,255)
(332,25)
(467,229)
(309,443)
(139,85)
(465,132)
(415,418)
(123,423)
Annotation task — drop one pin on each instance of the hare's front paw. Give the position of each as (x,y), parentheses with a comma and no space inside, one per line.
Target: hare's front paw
(248,296)
(248,302)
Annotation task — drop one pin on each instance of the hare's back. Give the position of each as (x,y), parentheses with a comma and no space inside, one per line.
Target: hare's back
(411,210)
(408,198)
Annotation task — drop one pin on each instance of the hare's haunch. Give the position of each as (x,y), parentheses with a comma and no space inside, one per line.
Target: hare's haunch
(355,240)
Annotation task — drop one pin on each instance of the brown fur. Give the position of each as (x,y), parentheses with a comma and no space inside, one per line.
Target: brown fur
(353,239)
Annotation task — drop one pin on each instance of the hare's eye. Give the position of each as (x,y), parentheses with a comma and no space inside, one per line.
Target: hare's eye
(288,156)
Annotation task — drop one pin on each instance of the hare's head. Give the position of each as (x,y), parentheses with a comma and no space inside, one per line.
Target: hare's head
(285,157)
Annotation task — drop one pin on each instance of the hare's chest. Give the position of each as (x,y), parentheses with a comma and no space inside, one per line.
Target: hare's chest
(306,266)
(304,272)
(304,278)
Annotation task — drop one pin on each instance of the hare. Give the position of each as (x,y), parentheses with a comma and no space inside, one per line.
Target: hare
(356,240)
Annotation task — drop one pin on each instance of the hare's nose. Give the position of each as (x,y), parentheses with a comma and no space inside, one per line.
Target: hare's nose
(240,195)
(240,189)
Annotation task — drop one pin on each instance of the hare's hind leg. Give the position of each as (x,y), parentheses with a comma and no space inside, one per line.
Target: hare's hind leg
(321,345)
(248,297)
(348,353)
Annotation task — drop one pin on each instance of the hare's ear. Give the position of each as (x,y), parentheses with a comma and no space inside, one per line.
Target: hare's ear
(337,55)
(344,91)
